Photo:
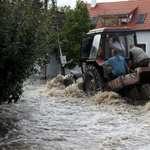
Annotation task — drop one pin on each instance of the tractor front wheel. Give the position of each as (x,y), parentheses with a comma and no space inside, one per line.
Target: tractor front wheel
(93,80)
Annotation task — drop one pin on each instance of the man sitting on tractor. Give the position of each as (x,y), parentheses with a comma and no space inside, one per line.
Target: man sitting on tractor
(118,64)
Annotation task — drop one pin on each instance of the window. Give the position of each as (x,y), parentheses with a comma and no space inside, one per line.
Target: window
(95,47)
(94,19)
(130,17)
(120,42)
(143,46)
(124,21)
(86,46)
(107,22)
(115,22)
(141,18)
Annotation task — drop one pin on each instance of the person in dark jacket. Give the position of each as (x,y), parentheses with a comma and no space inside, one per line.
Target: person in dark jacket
(87,47)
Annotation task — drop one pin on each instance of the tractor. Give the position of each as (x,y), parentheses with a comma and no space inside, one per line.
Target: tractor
(96,47)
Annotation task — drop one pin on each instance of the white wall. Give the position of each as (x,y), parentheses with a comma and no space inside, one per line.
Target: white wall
(143,37)
(52,68)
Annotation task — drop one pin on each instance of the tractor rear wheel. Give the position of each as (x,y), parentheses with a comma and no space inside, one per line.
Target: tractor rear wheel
(94,81)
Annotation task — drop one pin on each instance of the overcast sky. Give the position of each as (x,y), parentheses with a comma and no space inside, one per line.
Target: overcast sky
(72,3)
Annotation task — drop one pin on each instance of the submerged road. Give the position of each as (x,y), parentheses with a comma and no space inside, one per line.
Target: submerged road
(50,116)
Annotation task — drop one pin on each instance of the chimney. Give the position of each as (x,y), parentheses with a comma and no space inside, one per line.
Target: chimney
(93,3)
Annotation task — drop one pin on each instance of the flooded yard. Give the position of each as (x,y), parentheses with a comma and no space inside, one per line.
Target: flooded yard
(50,116)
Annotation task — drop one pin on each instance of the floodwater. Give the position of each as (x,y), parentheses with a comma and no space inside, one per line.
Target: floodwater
(50,116)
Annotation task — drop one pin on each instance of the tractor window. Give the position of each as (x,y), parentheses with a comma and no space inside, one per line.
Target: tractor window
(119,42)
(130,40)
(100,55)
(95,47)
(86,47)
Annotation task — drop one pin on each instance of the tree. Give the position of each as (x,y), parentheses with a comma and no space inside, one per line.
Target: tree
(64,8)
(77,23)
(27,33)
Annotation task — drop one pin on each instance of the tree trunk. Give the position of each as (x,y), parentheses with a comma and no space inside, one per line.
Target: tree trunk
(45,4)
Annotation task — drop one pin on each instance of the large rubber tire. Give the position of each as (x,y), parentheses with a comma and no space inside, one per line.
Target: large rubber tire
(94,80)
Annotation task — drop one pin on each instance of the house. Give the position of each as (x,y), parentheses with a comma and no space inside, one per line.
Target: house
(132,13)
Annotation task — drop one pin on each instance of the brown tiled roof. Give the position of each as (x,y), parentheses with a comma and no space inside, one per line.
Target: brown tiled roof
(124,7)
(124,11)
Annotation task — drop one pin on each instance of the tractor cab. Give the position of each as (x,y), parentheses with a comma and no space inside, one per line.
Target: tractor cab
(97,44)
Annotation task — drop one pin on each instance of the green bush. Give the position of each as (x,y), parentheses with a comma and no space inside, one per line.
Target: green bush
(27,33)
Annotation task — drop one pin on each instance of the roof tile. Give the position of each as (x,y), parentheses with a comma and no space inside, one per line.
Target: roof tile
(124,7)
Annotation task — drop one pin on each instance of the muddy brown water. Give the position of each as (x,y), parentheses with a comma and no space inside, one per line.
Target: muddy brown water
(50,116)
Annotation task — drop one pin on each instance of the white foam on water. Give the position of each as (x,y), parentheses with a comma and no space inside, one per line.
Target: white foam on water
(75,121)
(57,88)
(107,98)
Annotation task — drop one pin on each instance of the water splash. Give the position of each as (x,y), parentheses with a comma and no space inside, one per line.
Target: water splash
(65,118)
(57,88)
(107,98)
(75,90)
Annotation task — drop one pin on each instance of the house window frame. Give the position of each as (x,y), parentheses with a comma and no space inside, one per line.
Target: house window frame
(115,21)
(94,19)
(143,19)
(106,23)
(112,21)
(143,43)
(124,24)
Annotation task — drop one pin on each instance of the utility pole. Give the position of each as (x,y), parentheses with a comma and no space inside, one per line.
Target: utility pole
(56,20)
(45,7)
